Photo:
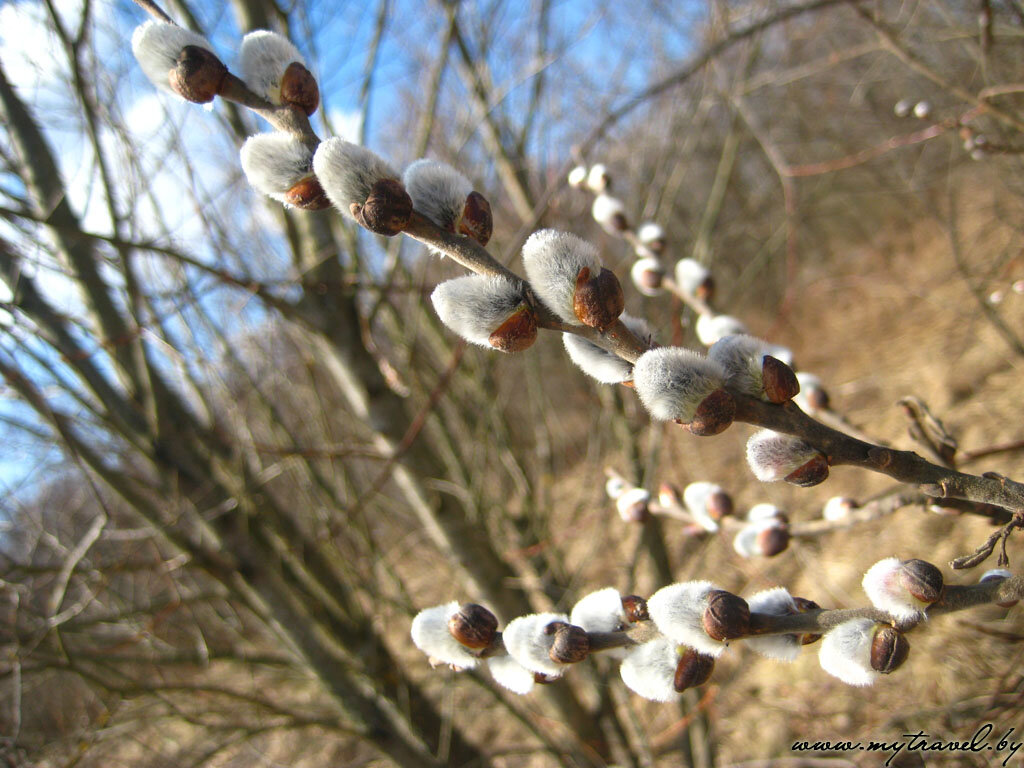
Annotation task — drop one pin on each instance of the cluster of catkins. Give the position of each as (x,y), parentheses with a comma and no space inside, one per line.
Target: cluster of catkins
(708,509)
(693,624)
(296,169)
(679,385)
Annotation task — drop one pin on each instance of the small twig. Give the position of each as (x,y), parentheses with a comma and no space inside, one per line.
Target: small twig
(154,10)
(928,431)
(983,552)
(992,450)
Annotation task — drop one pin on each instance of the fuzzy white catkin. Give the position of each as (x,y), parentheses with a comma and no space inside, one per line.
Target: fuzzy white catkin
(882,585)
(347,172)
(837,508)
(808,383)
(774,602)
(615,487)
(263,58)
(995,573)
(678,611)
(649,670)
(605,210)
(742,358)
(597,178)
(509,673)
(772,455)
(438,191)
(649,232)
(637,273)
(528,644)
(747,541)
(845,652)
(630,498)
(430,634)
(578,176)
(600,611)
(156,46)
(600,364)
(275,162)
(711,328)
(763,511)
(695,497)
(690,275)
(552,261)
(474,306)
(672,382)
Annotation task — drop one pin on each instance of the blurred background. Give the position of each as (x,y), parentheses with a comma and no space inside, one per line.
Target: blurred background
(240,452)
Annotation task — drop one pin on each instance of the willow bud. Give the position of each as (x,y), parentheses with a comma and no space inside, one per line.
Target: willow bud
(647,274)
(812,396)
(692,670)
(571,644)
(273,68)
(178,60)
(362,186)
(774,456)
(599,611)
(803,605)
(598,179)
(889,649)
(632,505)
(610,213)
(473,625)
(998,574)
(858,650)
(431,634)
(680,385)
(528,642)
(752,369)
(652,236)
(597,300)
(901,588)
(650,669)
(727,616)
(711,328)
(774,602)
(679,611)
(635,608)
(694,279)
(488,310)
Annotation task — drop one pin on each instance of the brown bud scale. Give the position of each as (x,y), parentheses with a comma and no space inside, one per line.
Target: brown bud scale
(714,415)
(598,300)
(476,221)
(803,605)
(517,333)
(387,210)
(692,670)
(719,505)
(197,75)
(773,540)
(473,626)
(651,278)
(299,88)
(635,608)
(889,649)
(571,645)
(308,195)
(727,616)
(922,580)
(778,380)
(812,473)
